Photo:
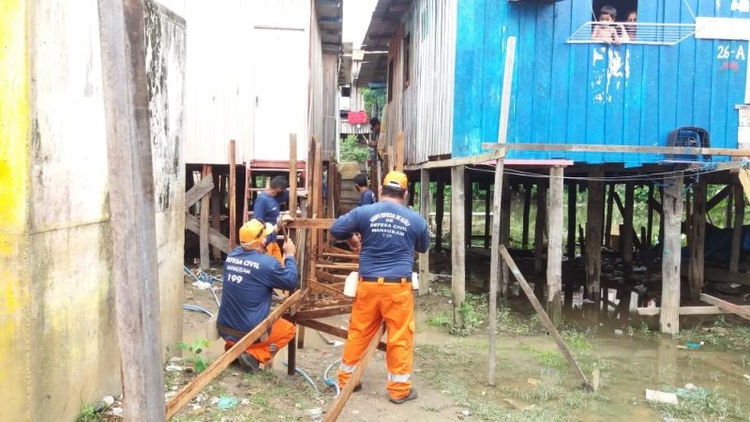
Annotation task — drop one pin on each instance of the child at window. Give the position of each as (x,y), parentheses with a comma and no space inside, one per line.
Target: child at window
(609,31)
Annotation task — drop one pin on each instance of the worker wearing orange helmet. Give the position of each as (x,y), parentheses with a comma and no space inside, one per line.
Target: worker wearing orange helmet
(387,233)
(250,275)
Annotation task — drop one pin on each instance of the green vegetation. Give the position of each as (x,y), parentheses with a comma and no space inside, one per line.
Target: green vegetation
(88,413)
(353,151)
(698,403)
(722,334)
(199,362)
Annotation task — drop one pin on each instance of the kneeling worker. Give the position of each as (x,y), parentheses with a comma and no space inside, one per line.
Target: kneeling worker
(250,275)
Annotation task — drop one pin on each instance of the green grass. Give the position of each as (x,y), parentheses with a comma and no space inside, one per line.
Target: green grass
(721,334)
(703,404)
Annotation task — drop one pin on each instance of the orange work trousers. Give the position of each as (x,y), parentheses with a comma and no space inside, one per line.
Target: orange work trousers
(282,332)
(375,303)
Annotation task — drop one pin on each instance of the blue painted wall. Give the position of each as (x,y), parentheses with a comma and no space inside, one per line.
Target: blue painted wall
(592,93)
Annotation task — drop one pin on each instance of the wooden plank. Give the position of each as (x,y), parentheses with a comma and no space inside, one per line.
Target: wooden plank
(318,313)
(608,214)
(346,392)
(311,223)
(214,238)
(525,219)
(572,221)
(293,174)
(204,378)
(543,316)
(458,243)
(132,208)
(216,214)
(723,193)
(340,266)
(348,256)
(669,321)
(618,149)
(540,226)
(205,262)
(204,186)
(743,311)
(554,248)
(686,310)
(334,331)
(317,287)
(398,164)
(628,232)
(232,191)
(328,277)
(440,211)
(495,267)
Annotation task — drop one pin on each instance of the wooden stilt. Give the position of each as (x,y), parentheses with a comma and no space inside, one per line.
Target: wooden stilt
(216,196)
(487,208)
(608,216)
(661,217)
(739,218)
(697,240)
(627,231)
(729,208)
(594,235)
(232,191)
(526,210)
(669,321)
(540,226)
(554,246)
(205,263)
(458,245)
(424,209)
(439,212)
(572,200)
(650,218)
(468,205)
(504,234)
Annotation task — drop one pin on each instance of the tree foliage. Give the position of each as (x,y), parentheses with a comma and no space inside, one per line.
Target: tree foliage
(352,150)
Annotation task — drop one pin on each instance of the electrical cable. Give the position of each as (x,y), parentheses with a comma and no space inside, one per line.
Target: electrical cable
(196,308)
(330,381)
(307,377)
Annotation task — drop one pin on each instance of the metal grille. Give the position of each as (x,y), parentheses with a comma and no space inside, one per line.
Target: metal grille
(636,33)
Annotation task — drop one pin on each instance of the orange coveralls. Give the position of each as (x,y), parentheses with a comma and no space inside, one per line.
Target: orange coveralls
(282,332)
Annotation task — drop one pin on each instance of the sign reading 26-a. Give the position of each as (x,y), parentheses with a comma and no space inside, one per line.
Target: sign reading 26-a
(725,52)
(235,278)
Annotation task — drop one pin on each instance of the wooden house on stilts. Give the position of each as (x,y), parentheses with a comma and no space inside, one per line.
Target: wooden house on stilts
(529,81)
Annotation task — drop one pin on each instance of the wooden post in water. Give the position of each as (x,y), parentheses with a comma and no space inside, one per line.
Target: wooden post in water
(554,245)
(504,218)
(232,192)
(627,231)
(132,209)
(539,228)
(739,218)
(697,240)
(424,209)
(458,245)
(669,319)
(594,235)
(608,216)
(468,205)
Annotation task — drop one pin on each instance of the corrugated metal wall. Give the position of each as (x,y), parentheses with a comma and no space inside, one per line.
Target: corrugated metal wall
(223,92)
(428,102)
(592,93)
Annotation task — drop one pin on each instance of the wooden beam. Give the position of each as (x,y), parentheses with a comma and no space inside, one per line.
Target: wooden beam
(525,219)
(554,247)
(687,310)
(318,287)
(543,316)
(305,314)
(628,232)
(398,164)
(131,206)
(743,311)
(618,149)
(739,218)
(440,211)
(232,191)
(334,331)
(204,186)
(311,223)
(593,243)
(292,175)
(572,224)
(540,226)
(720,195)
(216,213)
(340,402)
(214,238)
(205,262)
(204,378)
(458,243)
(669,321)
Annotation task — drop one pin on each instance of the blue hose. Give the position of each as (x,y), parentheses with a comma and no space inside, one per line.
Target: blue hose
(204,277)
(195,308)
(307,377)
(330,381)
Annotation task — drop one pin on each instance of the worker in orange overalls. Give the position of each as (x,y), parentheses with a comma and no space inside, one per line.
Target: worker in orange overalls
(387,233)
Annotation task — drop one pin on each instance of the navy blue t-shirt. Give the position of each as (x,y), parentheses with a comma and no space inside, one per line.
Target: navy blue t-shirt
(249,277)
(266,208)
(390,234)
(366,198)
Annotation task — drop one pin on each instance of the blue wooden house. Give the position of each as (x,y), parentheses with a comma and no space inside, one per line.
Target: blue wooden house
(676,75)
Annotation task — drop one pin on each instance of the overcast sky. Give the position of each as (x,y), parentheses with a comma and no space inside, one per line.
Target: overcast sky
(357,14)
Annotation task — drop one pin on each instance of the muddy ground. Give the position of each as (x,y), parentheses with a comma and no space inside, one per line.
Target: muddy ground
(707,366)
